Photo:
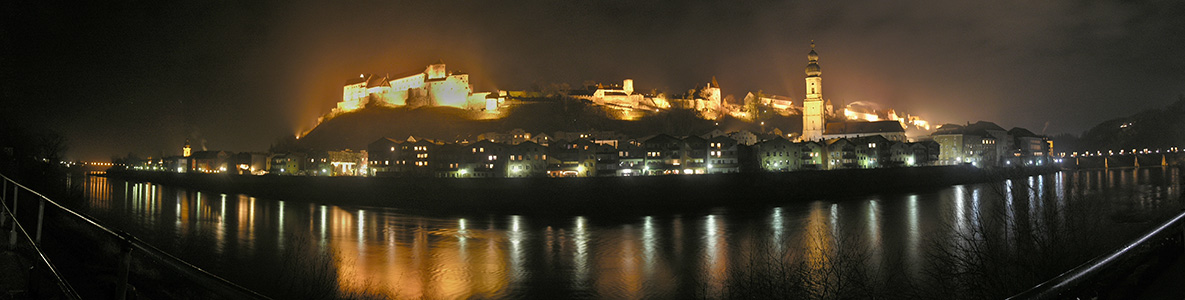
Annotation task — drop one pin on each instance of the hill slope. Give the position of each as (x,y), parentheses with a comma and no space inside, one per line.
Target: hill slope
(1152,129)
(357,129)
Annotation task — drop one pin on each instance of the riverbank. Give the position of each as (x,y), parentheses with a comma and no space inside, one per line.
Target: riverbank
(581,196)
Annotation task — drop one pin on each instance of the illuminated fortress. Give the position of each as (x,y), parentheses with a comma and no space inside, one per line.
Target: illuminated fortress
(631,104)
(435,86)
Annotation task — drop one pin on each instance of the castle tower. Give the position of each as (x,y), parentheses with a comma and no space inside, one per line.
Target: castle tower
(714,93)
(186,151)
(812,106)
(436,70)
(628,86)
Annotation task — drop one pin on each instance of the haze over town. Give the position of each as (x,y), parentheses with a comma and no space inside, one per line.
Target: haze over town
(144,77)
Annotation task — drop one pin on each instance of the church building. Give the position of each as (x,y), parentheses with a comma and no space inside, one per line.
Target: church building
(814,114)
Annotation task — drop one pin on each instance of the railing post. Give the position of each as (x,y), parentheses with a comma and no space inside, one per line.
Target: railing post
(12,232)
(40,218)
(125,262)
(4,202)
(15,191)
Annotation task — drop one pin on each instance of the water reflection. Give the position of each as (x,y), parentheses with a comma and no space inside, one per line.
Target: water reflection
(580,257)
(656,256)
(913,240)
(714,264)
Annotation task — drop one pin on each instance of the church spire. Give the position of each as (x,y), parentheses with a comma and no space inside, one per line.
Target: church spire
(812,66)
(813,113)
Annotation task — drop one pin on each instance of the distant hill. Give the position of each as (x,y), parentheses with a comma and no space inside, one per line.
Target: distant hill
(357,129)
(1152,129)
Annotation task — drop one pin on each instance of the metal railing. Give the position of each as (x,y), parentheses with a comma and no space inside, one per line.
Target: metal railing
(10,216)
(1067,283)
(223,287)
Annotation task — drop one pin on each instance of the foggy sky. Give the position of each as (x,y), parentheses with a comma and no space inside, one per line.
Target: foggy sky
(144,76)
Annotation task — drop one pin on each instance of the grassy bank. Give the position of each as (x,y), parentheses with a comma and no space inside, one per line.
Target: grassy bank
(581,196)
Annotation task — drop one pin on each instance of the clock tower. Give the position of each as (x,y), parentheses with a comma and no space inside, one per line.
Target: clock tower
(812,107)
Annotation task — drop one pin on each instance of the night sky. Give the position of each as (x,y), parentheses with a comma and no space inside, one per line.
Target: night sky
(142,76)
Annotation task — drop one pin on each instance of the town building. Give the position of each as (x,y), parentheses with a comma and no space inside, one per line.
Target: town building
(526,159)
(1028,147)
(286,163)
(575,158)
(890,130)
(482,159)
(840,154)
(983,144)
(873,151)
(779,155)
(348,163)
(723,155)
(209,161)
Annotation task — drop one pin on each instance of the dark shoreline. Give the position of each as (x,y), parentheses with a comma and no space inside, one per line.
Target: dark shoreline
(582,196)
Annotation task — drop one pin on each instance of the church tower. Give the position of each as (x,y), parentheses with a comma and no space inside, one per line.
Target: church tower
(186,151)
(812,106)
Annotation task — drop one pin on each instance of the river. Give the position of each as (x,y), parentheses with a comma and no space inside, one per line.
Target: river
(853,246)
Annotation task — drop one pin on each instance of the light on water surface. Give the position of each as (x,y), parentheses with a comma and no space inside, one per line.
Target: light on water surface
(404,255)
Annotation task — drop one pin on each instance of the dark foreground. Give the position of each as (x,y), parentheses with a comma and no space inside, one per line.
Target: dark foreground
(583,196)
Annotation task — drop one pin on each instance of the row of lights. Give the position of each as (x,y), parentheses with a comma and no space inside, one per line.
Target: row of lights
(1122,152)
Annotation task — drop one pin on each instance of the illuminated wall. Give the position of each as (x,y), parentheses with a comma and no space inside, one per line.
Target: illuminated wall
(812,115)
(453,91)
(433,87)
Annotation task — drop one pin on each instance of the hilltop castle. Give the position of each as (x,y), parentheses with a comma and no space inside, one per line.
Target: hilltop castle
(435,86)
(707,100)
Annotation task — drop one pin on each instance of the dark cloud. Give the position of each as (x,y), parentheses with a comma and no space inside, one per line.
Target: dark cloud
(144,76)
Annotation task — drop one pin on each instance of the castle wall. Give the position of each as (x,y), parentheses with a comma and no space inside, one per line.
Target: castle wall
(453,91)
(409,82)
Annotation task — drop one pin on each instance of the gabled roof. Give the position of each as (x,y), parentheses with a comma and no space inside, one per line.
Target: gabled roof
(385,140)
(980,128)
(414,139)
(864,127)
(1021,132)
(484,143)
(984,126)
(694,139)
(375,80)
(775,140)
(948,129)
(837,141)
(527,144)
(370,80)
(356,80)
(661,138)
(870,139)
(722,138)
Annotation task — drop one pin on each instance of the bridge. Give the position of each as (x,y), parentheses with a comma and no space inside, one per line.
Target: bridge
(1124,158)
